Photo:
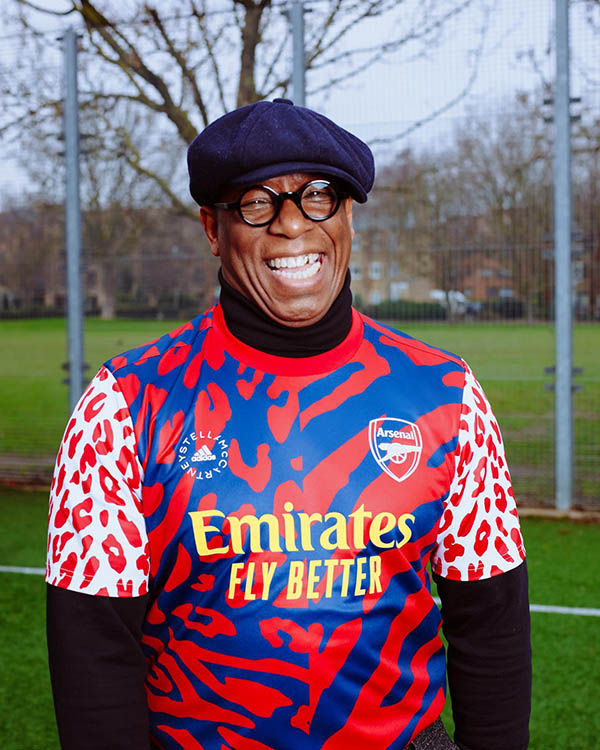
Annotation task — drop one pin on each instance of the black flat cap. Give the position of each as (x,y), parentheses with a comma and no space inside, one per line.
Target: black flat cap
(268,139)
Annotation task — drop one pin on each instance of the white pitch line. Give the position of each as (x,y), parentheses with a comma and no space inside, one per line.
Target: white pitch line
(565,610)
(552,609)
(27,571)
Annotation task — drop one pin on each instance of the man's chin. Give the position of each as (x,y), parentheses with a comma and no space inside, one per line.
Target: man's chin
(297,316)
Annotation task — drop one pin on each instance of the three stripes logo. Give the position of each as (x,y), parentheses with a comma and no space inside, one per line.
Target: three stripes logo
(204,454)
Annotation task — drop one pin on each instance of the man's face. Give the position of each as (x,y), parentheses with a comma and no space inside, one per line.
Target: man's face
(292,269)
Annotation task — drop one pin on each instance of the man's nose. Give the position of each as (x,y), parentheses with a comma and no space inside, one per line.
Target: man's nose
(290,221)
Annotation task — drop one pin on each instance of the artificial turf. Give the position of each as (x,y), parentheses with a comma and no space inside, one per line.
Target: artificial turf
(562,560)
(508,358)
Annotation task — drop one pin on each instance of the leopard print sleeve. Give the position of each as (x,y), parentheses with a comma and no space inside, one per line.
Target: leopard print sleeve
(97,540)
(479,534)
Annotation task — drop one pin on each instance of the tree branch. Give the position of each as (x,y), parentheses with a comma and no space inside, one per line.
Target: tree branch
(180,60)
(368,10)
(250,39)
(142,97)
(47,11)
(270,70)
(452,102)
(416,33)
(133,158)
(130,58)
(200,17)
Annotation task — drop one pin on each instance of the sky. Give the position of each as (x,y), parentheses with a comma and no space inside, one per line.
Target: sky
(393,95)
(386,100)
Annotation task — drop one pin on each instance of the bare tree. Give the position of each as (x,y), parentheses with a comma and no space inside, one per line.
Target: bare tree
(502,167)
(184,63)
(483,200)
(31,241)
(592,12)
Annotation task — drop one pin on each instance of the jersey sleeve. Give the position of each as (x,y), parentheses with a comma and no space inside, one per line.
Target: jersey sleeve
(97,540)
(479,534)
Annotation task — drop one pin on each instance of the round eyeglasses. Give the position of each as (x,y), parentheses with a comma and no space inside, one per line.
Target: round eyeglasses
(259,205)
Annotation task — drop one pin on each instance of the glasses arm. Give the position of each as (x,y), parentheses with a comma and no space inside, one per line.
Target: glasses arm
(232,204)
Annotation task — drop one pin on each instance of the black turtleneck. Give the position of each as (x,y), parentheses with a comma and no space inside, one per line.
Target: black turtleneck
(256,329)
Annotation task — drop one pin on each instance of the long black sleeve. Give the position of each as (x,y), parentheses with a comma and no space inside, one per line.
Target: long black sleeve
(487,626)
(97,670)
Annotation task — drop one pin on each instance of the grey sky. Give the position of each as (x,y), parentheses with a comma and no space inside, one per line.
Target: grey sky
(385,100)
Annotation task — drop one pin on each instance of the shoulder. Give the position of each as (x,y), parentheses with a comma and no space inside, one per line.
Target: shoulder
(419,352)
(165,352)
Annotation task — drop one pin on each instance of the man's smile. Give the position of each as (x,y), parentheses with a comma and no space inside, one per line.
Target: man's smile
(296,266)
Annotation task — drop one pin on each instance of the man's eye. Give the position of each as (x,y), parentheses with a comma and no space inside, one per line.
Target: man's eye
(256,203)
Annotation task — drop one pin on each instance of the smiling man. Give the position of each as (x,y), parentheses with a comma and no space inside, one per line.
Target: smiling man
(243,512)
(289,255)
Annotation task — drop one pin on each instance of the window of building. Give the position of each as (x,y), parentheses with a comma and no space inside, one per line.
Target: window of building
(374,297)
(409,220)
(375,270)
(356,271)
(398,290)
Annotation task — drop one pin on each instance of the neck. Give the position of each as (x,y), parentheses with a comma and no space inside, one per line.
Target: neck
(256,329)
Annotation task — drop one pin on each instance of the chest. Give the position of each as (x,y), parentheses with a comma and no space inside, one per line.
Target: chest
(251,468)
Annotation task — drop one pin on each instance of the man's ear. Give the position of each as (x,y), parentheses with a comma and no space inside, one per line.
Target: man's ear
(208,217)
(348,203)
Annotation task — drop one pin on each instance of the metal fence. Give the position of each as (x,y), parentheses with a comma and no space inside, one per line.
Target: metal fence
(508,340)
(455,244)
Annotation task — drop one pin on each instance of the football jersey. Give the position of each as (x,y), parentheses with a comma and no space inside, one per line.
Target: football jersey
(281,514)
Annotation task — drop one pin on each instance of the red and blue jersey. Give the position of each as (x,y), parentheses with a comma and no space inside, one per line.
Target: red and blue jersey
(281,514)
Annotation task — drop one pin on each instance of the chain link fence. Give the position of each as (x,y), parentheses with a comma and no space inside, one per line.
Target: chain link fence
(455,245)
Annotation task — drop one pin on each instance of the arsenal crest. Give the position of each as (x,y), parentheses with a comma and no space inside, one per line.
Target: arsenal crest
(396,445)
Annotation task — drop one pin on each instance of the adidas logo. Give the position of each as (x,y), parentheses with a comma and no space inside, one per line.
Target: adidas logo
(204,454)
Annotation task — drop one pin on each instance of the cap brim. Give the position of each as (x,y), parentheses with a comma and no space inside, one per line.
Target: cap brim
(267,171)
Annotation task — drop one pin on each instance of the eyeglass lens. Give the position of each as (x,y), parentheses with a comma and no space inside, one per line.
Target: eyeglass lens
(318,200)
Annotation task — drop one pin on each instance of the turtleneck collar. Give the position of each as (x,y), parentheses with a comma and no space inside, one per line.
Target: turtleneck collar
(256,329)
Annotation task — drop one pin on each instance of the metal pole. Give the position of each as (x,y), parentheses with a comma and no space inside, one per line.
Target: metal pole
(298,79)
(73,222)
(562,264)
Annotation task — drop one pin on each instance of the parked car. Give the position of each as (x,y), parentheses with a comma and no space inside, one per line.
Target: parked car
(454,301)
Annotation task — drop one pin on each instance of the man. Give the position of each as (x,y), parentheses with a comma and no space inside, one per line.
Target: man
(243,511)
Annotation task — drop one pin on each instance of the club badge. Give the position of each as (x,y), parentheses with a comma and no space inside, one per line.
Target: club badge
(396,445)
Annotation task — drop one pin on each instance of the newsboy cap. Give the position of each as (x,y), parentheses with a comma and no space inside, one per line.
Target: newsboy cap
(268,139)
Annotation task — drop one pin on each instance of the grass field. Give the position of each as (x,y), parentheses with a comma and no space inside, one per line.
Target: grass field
(561,557)
(509,359)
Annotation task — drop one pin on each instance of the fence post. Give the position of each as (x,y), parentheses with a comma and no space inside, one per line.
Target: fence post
(299,61)
(562,264)
(73,221)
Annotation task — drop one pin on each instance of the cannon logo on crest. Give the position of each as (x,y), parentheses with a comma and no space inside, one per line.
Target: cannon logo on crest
(396,445)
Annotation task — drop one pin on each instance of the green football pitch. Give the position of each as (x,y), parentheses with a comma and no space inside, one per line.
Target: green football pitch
(563,564)
(508,358)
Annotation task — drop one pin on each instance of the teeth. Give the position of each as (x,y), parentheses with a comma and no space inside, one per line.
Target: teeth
(303,274)
(309,265)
